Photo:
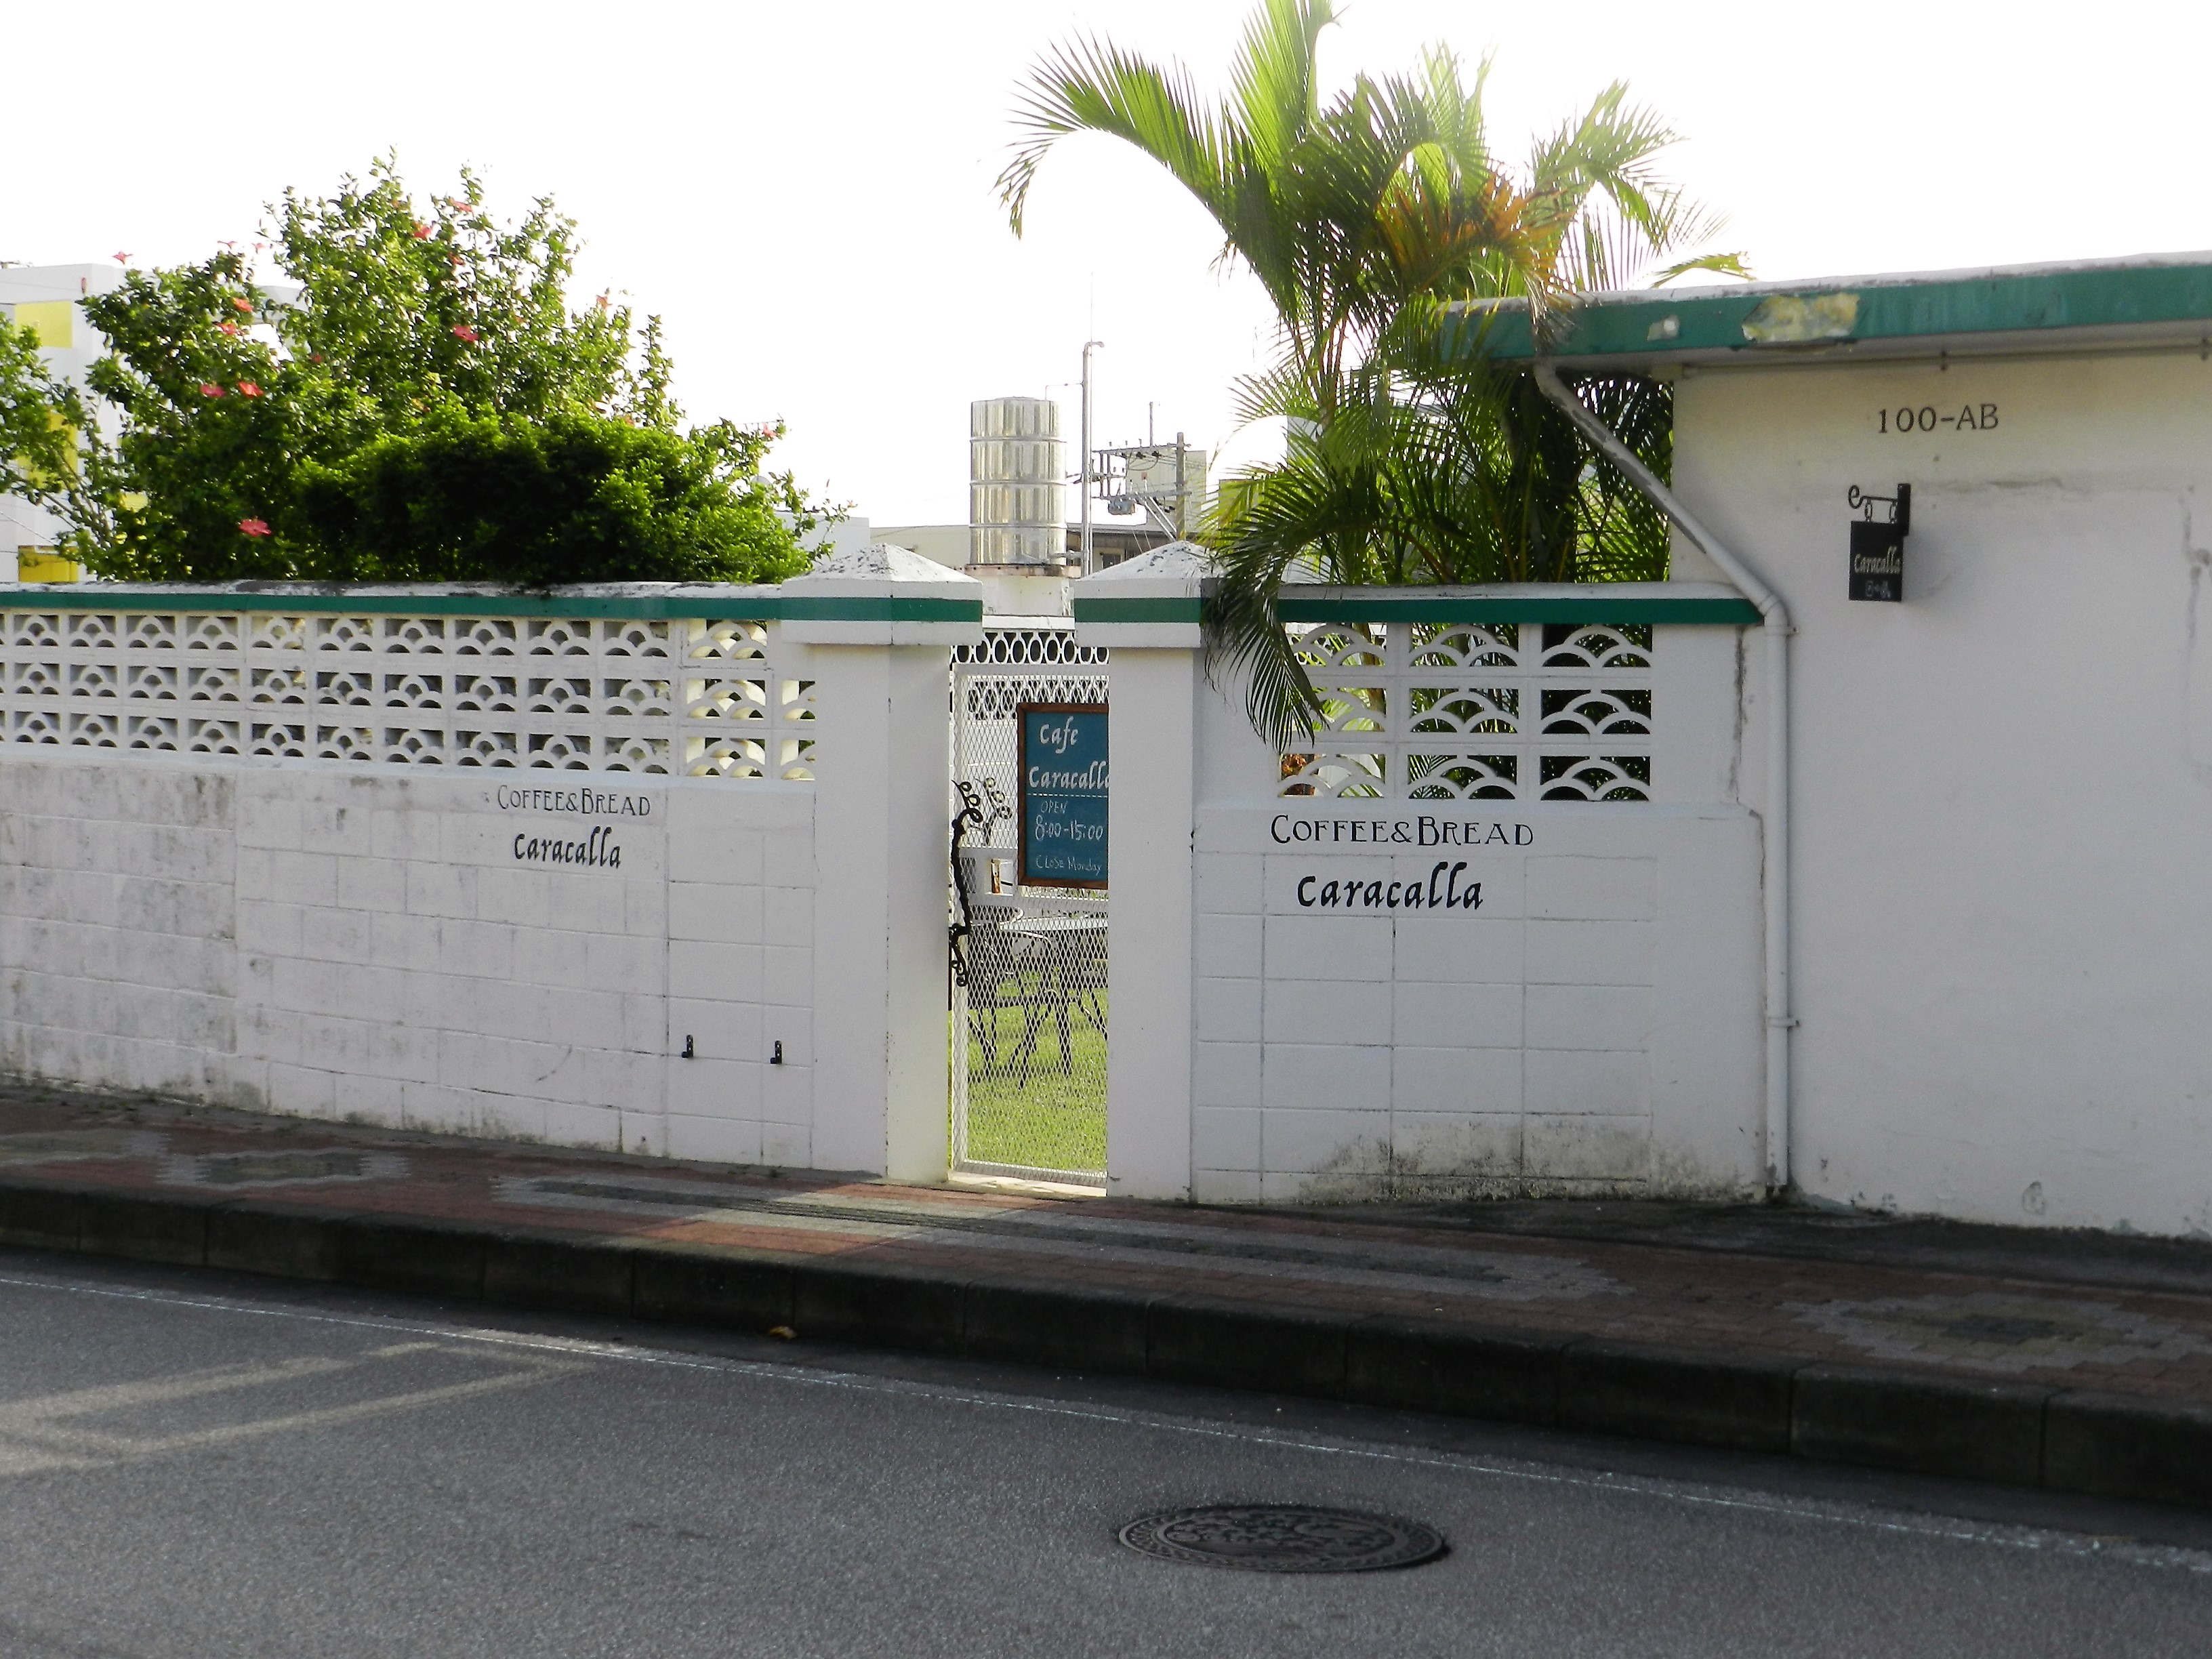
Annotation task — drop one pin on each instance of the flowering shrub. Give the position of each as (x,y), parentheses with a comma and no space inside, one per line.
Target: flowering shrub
(406,412)
(570,498)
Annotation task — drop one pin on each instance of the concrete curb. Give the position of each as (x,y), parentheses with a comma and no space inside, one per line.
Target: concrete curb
(2110,1445)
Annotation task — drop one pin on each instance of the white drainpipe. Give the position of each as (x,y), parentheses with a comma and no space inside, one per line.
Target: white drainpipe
(1775,825)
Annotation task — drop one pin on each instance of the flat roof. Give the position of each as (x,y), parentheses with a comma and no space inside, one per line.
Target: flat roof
(2148,300)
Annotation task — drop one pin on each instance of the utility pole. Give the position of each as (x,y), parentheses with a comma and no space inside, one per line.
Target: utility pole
(1084,472)
(1182,493)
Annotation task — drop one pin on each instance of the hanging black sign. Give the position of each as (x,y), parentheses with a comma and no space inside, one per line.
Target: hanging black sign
(1878,545)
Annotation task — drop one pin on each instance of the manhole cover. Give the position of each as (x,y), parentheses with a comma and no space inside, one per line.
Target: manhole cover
(1283,1538)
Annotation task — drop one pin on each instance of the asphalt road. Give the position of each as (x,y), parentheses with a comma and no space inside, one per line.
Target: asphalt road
(198,1466)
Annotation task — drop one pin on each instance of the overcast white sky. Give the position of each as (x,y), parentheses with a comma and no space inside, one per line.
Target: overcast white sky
(804,191)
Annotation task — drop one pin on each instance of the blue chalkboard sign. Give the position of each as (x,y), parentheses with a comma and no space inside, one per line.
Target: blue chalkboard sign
(1063,795)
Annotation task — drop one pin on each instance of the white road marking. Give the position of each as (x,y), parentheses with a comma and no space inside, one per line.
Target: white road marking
(1701,1494)
(45,1431)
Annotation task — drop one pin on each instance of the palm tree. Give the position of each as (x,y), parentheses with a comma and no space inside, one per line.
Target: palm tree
(1383,227)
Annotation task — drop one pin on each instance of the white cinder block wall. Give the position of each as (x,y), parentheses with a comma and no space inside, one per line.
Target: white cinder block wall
(584,836)
(518,954)
(1594,1025)
(119,920)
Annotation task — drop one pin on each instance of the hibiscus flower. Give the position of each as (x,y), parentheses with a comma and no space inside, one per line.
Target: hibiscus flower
(254,527)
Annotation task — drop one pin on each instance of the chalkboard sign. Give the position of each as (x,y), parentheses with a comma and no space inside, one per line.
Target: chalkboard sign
(1878,545)
(1063,795)
(1877,562)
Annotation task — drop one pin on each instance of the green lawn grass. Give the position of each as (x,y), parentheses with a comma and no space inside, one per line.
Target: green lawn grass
(1052,1119)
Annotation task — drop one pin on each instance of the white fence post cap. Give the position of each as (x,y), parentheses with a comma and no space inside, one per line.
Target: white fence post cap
(1156,599)
(882,595)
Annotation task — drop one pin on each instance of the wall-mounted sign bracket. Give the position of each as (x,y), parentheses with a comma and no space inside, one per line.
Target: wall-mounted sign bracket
(1877,567)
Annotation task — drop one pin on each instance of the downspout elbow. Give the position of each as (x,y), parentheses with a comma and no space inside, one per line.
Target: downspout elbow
(1772,612)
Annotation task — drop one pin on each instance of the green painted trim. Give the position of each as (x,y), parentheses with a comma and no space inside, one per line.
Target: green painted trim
(875,608)
(1388,605)
(1091,612)
(2106,296)
(98,598)
(1376,604)
(739,607)
(1383,606)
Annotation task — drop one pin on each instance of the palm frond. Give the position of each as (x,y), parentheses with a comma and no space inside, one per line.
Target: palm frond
(1383,227)
(1725,265)
(1091,86)
(1272,77)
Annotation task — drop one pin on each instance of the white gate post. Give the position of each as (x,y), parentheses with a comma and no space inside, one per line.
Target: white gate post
(880,624)
(1146,611)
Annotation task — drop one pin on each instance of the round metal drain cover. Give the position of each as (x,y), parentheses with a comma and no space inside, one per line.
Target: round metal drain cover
(1283,1538)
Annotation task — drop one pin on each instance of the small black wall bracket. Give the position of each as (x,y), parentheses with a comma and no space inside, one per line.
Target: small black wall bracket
(1877,555)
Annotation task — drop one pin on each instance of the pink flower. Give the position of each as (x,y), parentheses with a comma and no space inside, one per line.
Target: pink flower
(242,303)
(462,331)
(210,390)
(256,527)
(421,233)
(121,258)
(226,328)
(247,389)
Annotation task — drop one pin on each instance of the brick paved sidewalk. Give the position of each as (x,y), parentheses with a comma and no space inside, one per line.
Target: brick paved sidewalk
(2070,1322)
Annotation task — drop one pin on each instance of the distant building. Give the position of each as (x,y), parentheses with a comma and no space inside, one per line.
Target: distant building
(948,544)
(1011,593)
(49,301)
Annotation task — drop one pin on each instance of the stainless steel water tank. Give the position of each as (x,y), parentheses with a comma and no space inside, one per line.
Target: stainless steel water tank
(1017,489)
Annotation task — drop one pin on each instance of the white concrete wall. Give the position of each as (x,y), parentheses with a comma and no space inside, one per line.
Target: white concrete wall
(2002,892)
(340,940)
(885,832)
(1155,699)
(1591,1024)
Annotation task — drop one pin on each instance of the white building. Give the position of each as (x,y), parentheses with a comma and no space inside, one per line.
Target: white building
(2000,788)
(49,299)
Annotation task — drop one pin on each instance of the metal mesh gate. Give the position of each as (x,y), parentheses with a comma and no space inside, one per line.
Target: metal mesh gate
(1029,1016)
